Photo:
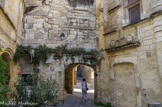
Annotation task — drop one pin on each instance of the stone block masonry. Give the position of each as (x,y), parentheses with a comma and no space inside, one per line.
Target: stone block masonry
(140,63)
(48,20)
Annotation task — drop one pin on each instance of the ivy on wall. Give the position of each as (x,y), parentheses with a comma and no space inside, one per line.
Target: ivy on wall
(42,52)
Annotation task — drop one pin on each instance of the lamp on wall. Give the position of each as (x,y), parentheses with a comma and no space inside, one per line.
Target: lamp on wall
(62,36)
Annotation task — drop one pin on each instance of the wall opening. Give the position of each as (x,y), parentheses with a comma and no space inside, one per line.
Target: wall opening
(73,79)
(6,57)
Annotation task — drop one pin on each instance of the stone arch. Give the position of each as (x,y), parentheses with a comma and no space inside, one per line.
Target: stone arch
(85,60)
(69,83)
(7,58)
(7,55)
(9,52)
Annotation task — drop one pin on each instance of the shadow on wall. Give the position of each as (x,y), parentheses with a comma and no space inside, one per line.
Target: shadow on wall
(75,3)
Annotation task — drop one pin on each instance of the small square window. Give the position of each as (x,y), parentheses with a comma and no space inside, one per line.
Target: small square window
(134,14)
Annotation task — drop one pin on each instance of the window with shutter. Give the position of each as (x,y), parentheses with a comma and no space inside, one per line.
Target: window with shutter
(134,14)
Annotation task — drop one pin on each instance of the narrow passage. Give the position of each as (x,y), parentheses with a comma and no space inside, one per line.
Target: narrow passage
(75,100)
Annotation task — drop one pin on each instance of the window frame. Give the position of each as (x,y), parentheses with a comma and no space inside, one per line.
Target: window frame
(129,12)
(127,8)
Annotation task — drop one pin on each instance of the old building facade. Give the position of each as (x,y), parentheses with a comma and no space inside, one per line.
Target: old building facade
(11,16)
(59,22)
(130,34)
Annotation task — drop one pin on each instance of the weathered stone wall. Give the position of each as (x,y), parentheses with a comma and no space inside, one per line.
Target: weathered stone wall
(125,89)
(46,20)
(142,49)
(87,73)
(11,15)
(100,18)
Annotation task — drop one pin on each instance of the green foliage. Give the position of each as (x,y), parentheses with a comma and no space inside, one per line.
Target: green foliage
(42,52)
(41,90)
(95,73)
(3,65)
(103,105)
(62,48)
(22,51)
(77,51)
(3,80)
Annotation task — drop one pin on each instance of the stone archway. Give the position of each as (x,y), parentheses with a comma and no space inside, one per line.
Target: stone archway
(7,58)
(13,68)
(70,77)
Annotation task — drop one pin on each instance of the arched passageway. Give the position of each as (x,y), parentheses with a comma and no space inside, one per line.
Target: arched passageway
(73,78)
(75,73)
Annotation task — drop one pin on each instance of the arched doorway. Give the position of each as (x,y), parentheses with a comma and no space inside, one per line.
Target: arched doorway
(73,78)
(6,57)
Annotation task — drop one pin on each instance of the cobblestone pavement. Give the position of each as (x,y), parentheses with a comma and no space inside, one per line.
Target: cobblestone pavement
(75,100)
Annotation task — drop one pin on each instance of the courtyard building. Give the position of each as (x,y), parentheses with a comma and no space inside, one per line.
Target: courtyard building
(116,45)
(130,31)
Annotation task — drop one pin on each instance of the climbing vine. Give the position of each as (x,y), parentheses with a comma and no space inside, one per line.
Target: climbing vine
(42,52)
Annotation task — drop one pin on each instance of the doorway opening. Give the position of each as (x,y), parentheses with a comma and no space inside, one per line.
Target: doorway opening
(73,79)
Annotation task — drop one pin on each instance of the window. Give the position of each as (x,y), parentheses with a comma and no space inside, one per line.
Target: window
(27,78)
(132,11)
(134,14)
